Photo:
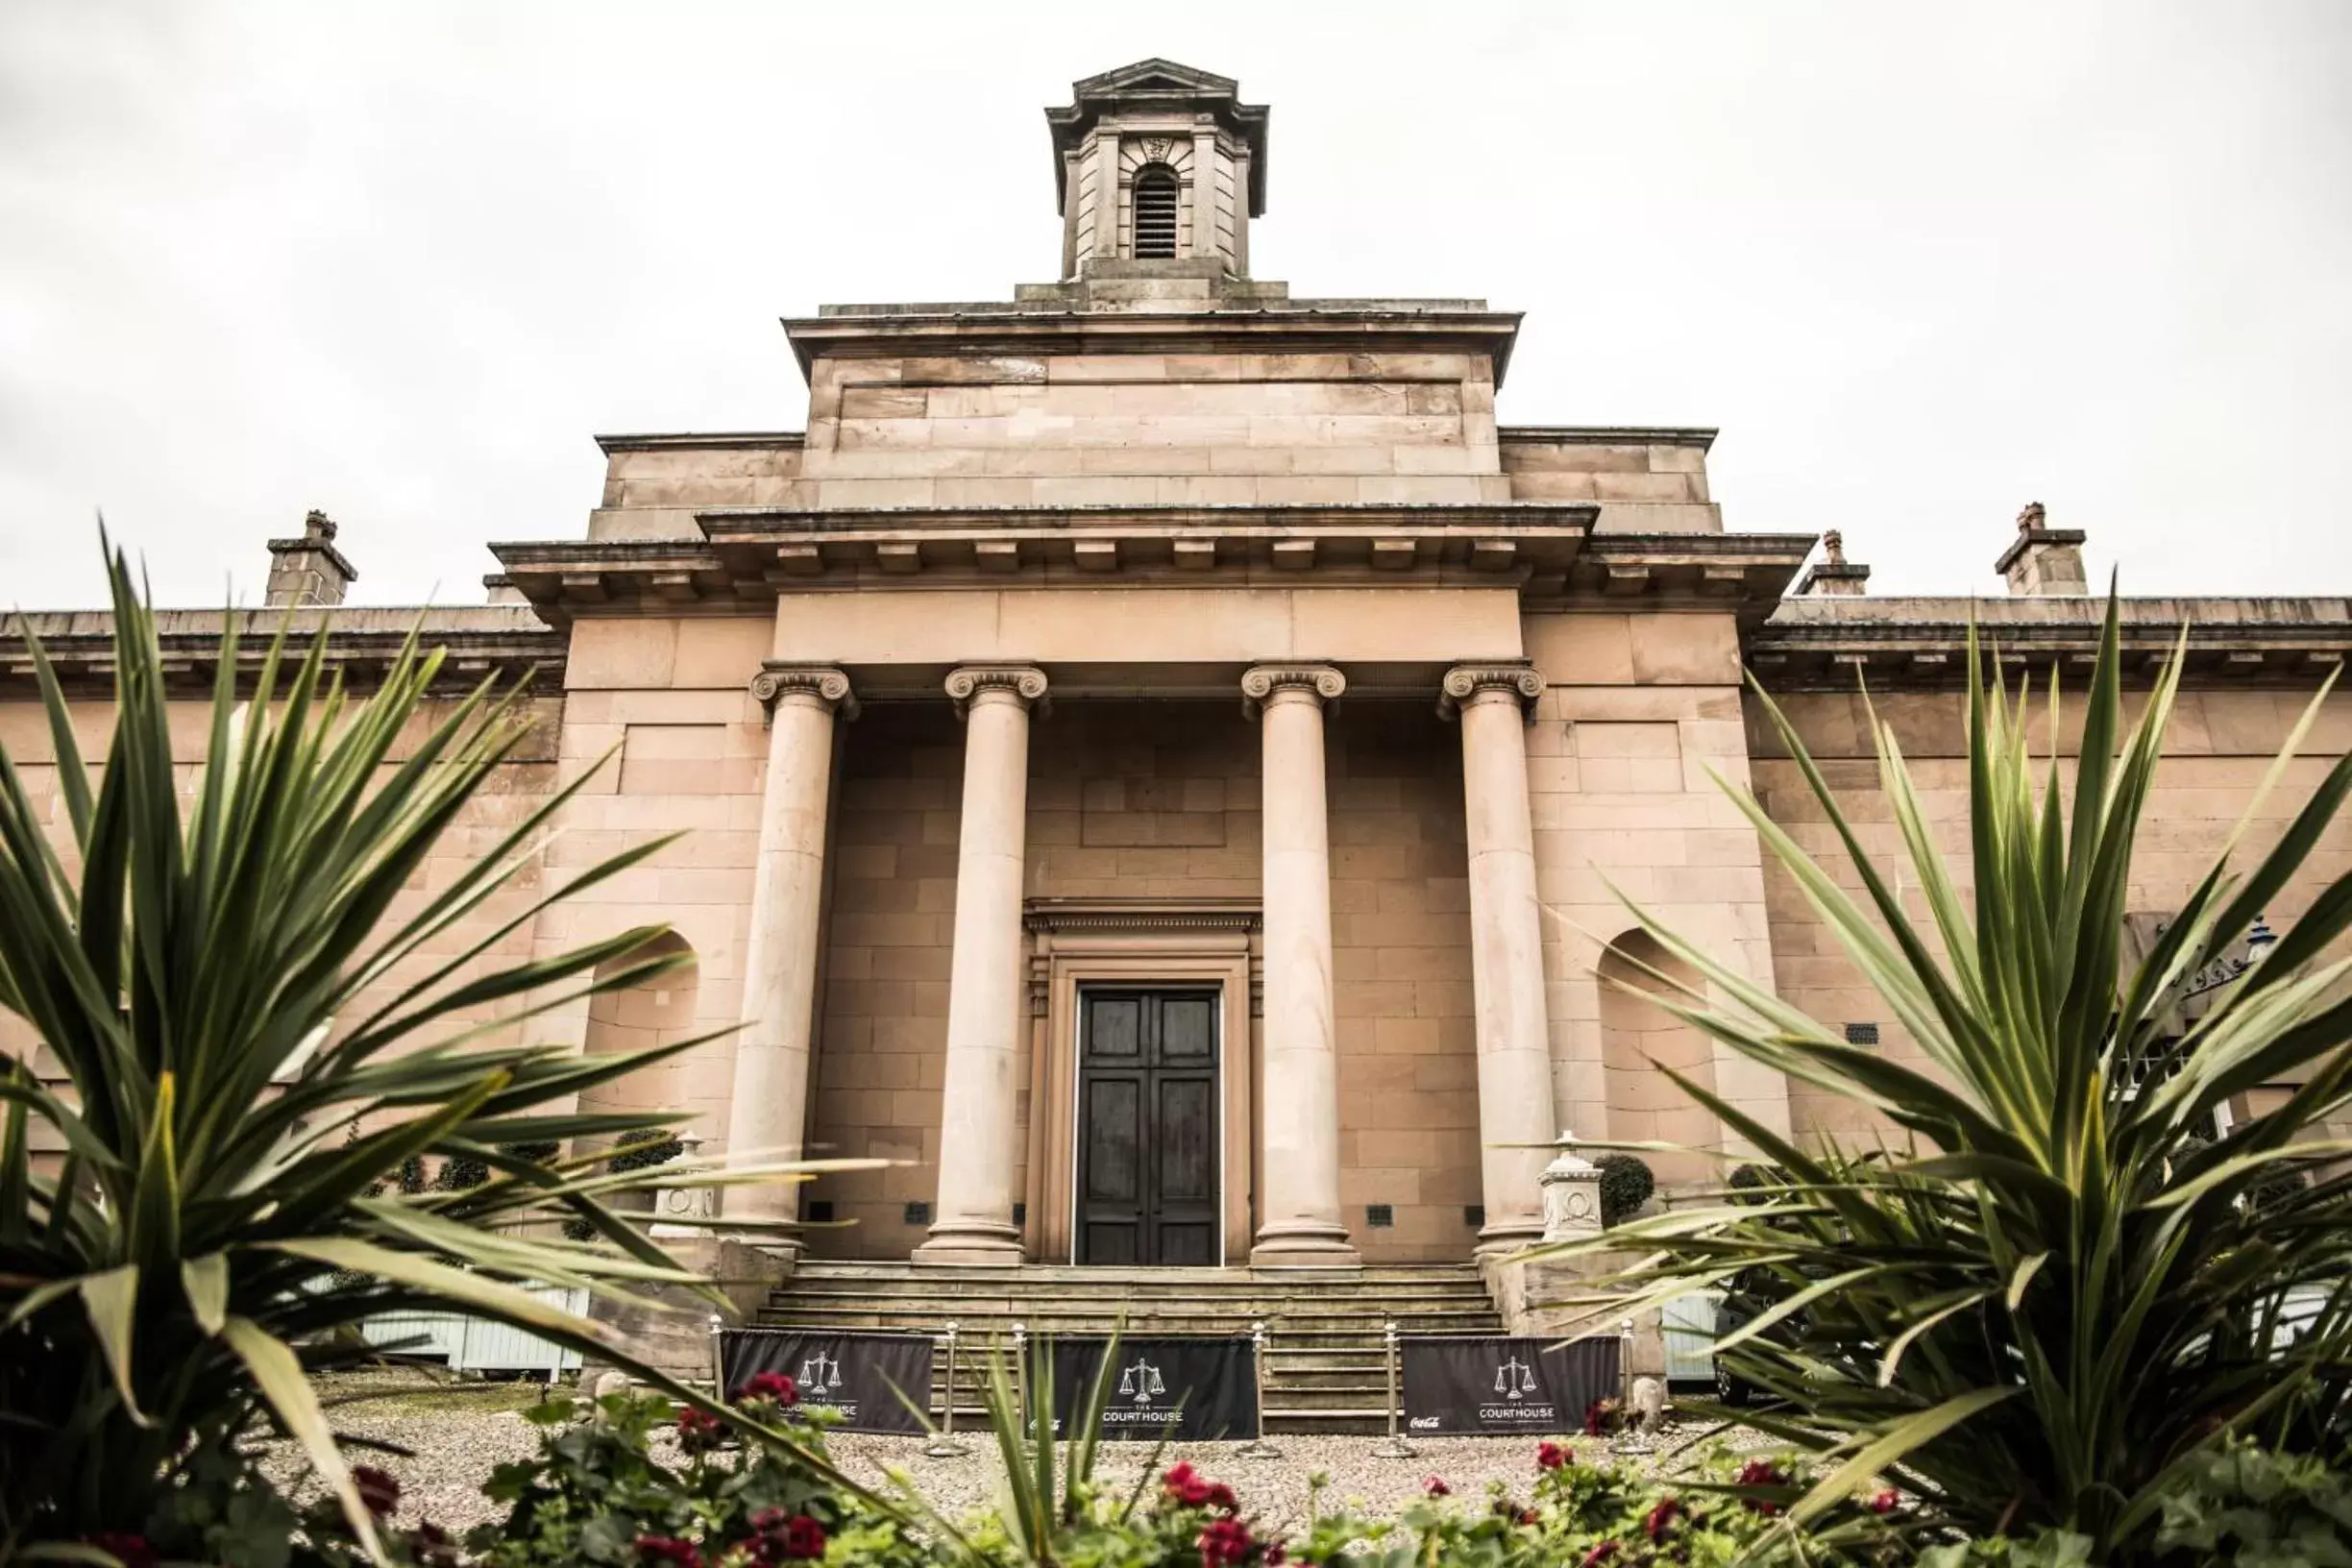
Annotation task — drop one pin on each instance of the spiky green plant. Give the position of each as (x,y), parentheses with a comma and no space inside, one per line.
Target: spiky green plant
(256,1035)
(2056,1290)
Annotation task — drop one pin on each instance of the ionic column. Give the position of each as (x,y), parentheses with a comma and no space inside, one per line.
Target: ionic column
(1298,1176)
(1514,1051)
(972,1220)
(767,1111)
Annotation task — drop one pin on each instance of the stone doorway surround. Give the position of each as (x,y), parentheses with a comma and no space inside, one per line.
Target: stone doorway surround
(1137,942)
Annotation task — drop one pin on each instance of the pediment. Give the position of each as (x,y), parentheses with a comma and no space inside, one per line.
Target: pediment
(1155,75)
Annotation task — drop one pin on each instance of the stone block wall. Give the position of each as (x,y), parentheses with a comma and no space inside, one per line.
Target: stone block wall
(661,710)
(1646,482)
(1638,711)
(2218,746)
(652,488)
(1141,430)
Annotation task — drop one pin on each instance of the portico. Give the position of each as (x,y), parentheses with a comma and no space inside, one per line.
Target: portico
(1178,702)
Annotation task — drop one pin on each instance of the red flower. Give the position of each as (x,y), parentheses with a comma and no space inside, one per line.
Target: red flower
(1884,1502)
(1761,1473)
(774,1386)
(1435,1486)
(1224,1542)
(1530,1517)
(1660,1517)
(1187,1486)
(1599,1554)
(803,1538)
(699,1431)
(379,1492)
(1221,1497)
(1552,1456)
(1275,1555)
(667,1548)
(130,1550)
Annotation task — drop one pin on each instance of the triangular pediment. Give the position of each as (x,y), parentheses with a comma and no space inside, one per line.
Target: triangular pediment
(1156,75)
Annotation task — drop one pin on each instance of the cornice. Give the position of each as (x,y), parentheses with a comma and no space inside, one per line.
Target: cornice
(1287,328)
(1831,644)
(477,640)
(1700,436)
(1140,915)
(712,441)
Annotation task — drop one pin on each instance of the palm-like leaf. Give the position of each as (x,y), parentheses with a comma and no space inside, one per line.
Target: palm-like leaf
(254,1028)
(2059,1287)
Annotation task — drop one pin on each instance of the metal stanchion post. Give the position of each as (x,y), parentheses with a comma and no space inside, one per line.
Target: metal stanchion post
(1020,1370)
(1395,1447)
(718,1362)
(1629,1438)
(1258,1448)
(942,1444)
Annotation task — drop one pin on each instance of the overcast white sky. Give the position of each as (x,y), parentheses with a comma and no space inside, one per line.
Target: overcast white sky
(1920,263)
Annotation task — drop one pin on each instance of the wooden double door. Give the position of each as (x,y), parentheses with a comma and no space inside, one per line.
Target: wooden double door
(1149,1145)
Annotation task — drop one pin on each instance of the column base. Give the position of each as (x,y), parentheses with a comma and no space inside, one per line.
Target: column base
(972,1244)
(1506,1237)
(1304,1245)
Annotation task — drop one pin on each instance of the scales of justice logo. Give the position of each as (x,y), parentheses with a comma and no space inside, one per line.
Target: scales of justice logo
(1514,1378)
(820,1372)
(1141,1382)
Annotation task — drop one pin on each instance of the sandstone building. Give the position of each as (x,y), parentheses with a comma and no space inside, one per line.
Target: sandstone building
(1158,757)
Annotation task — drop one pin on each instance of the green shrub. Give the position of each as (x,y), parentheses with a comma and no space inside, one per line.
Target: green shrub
(208,962)
(2053,1289)
(1626,1184)
(643,1151)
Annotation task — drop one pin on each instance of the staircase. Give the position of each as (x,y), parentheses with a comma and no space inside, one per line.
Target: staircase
(1324,1345)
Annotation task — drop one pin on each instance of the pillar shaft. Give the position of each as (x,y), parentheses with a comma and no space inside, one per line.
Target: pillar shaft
(972,1222)
(1298,1178)
(769,1107)
(1514,1054)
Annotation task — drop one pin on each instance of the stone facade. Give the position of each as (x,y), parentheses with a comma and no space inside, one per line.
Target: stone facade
(1154,628)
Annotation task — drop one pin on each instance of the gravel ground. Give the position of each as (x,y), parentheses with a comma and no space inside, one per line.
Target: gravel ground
(457,1432)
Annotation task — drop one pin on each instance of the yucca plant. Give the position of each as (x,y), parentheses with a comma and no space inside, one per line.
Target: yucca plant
(2053,1288)
(257,1037)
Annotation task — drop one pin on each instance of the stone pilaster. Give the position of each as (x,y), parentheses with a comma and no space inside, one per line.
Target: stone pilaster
(1514,1056)
(973,1223)
(769,1105)
(1298,1178)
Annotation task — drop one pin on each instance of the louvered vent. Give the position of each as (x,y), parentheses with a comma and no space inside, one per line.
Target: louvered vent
(1155,211)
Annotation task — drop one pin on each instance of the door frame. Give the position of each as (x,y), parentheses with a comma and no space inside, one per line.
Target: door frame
(1077,1133)
(1201,944)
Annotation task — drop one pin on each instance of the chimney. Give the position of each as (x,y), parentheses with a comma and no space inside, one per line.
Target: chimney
(2043,561)
(1833,576)
(309,570)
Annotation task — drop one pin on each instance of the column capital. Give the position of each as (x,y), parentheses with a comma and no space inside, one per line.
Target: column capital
(827,685)
(1025,682)
(1261,681)
(1465,682)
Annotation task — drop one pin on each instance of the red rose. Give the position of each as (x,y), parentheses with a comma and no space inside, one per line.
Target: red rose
(1599,1554)
(803,1538)
(1552,1456)
(1221,1496)
(1224,1542)
(1884,1502)
(667,1548)
(1661,1517)
(130,1550)
(1435,1486)
(699,1431)
(379,1492)
(1761,1473)
(774,1386)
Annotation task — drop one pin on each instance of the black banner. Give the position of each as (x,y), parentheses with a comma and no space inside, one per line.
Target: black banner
(1190,1389)
(857,1374)
(1483,1387)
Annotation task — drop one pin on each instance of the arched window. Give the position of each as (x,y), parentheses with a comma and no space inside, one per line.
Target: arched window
(1155,211)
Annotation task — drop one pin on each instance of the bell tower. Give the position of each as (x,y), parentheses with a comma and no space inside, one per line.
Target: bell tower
(1159,169)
